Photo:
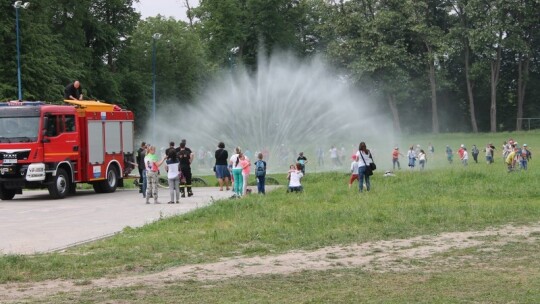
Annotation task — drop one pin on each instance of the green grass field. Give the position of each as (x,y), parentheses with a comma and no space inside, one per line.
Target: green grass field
(443,198)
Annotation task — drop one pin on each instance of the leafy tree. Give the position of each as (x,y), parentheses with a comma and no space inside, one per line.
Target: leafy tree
(488,38)
(248,25)
(429,21)
(374,43)
(181,64)
(524,32)
(461,30)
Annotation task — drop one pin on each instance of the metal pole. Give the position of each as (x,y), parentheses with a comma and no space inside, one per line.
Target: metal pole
(154,91)
(19,86)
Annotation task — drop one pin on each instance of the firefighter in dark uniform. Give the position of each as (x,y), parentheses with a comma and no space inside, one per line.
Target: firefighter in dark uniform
(186,157)
(73,91)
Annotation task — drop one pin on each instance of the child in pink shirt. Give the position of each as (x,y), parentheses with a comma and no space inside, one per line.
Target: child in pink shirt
(246,167)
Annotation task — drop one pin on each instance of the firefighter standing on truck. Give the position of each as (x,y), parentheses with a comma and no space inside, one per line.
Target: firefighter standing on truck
(73,91)
(186,157)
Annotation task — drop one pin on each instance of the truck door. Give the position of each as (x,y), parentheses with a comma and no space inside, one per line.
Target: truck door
(61,140)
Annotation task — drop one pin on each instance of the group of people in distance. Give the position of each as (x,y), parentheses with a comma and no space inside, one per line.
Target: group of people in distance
(515,156)
(236,169)
(178,166)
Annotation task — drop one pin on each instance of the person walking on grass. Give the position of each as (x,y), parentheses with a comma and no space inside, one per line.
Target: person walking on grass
(475,152)
(489,153)
(525,156)
(173,175)
(152,164)
(422,159)
(511,160)
(449,154)
(411,155)
(395,158)
(302,160)
(465,157)
(364,170)
(354,171)
(260,174)
(221,169)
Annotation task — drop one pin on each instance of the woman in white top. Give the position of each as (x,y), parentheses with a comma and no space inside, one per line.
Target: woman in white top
(237,172)
(173,176)
(364,159)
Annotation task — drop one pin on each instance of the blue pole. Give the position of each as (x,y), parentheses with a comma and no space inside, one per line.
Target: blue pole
(154,91)
(19,86)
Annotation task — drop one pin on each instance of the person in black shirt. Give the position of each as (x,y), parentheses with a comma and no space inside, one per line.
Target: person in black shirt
(186,157)
(221,168)
(73,91)
(302,160)
(141,154)
(171,149)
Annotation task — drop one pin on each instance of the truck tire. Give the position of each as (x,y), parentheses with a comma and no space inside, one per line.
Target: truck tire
(111,182)
(59,188)
(97,187)
(7,194)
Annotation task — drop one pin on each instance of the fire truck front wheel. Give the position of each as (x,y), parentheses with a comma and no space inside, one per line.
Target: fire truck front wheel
(7,194)
(59,188)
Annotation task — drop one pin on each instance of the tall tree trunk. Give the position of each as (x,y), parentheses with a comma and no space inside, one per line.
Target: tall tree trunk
(495,71)
(433,84)
(523,77)
(395,113)
(472,112)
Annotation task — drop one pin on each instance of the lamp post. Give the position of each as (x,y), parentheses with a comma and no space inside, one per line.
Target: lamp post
(232,53)
(155,37)
(17,5)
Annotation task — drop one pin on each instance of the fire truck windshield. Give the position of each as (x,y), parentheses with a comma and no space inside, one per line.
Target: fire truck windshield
(19,129)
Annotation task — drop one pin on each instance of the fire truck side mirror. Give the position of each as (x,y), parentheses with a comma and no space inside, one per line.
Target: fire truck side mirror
(44,129)
(44,136)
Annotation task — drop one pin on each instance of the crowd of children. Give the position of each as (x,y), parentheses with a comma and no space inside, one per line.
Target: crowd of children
(516,157)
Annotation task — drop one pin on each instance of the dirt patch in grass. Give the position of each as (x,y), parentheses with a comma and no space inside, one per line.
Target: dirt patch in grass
(379,256)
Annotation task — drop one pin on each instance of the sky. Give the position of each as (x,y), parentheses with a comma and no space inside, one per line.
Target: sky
(167,8)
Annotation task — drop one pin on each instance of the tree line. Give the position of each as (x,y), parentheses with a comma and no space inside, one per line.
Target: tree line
(432,65)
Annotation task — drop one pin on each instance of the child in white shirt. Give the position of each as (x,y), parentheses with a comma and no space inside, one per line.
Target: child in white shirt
(294,176)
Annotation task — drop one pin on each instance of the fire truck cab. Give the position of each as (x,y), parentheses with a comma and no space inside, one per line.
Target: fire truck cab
(59,146)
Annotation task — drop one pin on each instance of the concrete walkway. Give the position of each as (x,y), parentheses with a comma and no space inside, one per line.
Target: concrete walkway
(34,223)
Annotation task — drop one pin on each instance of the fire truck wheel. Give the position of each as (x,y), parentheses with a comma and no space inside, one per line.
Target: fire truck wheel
(97,187)
(109,185)
(59,188)
(6,194)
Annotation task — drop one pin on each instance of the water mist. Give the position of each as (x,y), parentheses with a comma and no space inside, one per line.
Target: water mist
(285,107)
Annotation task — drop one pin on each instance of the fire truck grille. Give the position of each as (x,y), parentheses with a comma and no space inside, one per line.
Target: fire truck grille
(19,155)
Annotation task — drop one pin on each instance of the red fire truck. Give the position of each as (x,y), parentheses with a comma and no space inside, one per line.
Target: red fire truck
(58,146)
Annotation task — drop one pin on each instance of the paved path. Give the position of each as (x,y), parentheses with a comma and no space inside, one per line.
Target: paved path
(33,223)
